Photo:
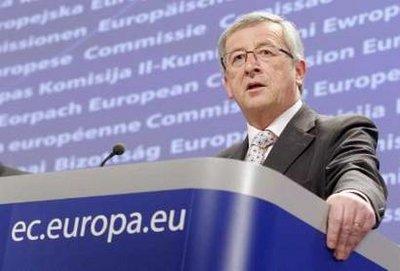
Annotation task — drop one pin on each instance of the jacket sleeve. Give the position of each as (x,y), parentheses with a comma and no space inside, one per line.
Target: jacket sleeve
(353,164)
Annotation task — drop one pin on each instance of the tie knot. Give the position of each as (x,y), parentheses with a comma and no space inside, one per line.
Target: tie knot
(264,139)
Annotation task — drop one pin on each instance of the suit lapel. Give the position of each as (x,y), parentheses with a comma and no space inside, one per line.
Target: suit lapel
(293,140)
(240,152)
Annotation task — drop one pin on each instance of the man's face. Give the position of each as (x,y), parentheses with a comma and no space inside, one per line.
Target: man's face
(263,87)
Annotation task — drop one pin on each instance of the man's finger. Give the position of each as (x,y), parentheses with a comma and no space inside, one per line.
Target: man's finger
(334,223)
(360,229)
(346,230)
(363,223)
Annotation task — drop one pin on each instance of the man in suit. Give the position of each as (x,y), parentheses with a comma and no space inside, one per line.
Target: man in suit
(263,62)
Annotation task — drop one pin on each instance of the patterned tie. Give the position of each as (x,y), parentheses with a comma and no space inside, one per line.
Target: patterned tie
(259,146)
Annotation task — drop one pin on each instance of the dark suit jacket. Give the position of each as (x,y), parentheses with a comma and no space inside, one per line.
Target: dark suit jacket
(7,171)
(326,155)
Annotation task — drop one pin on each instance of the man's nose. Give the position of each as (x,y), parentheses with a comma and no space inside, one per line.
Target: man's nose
(252,64)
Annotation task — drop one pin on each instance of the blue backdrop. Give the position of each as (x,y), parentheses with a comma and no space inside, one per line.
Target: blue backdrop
(78,76)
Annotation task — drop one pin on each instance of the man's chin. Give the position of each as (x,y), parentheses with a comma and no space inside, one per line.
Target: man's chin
(257,105)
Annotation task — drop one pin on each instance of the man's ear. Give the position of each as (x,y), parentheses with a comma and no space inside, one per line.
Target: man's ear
(227,87)
(301,70)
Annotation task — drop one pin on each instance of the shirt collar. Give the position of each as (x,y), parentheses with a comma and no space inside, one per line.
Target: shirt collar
(279,123)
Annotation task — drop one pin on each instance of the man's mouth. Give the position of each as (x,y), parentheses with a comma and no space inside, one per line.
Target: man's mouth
(255,85)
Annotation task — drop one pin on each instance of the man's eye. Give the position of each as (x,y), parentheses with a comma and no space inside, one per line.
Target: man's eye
(237,57)
(264,52)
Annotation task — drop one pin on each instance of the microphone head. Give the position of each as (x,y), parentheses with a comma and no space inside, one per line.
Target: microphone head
(118,149)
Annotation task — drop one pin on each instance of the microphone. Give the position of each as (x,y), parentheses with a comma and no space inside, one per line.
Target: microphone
(118,149)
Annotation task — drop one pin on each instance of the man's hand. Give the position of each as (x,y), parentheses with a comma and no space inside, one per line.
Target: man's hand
(350,219)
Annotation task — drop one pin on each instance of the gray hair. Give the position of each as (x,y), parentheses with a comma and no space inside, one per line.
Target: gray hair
(290,33)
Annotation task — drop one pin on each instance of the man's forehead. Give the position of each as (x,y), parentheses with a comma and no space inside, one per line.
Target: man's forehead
(263,32)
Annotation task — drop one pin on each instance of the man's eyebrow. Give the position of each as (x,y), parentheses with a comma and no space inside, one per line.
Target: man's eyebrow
(235,50)
(262,43)
(265,43)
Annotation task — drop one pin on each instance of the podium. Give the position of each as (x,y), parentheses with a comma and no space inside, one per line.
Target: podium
(194,214)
